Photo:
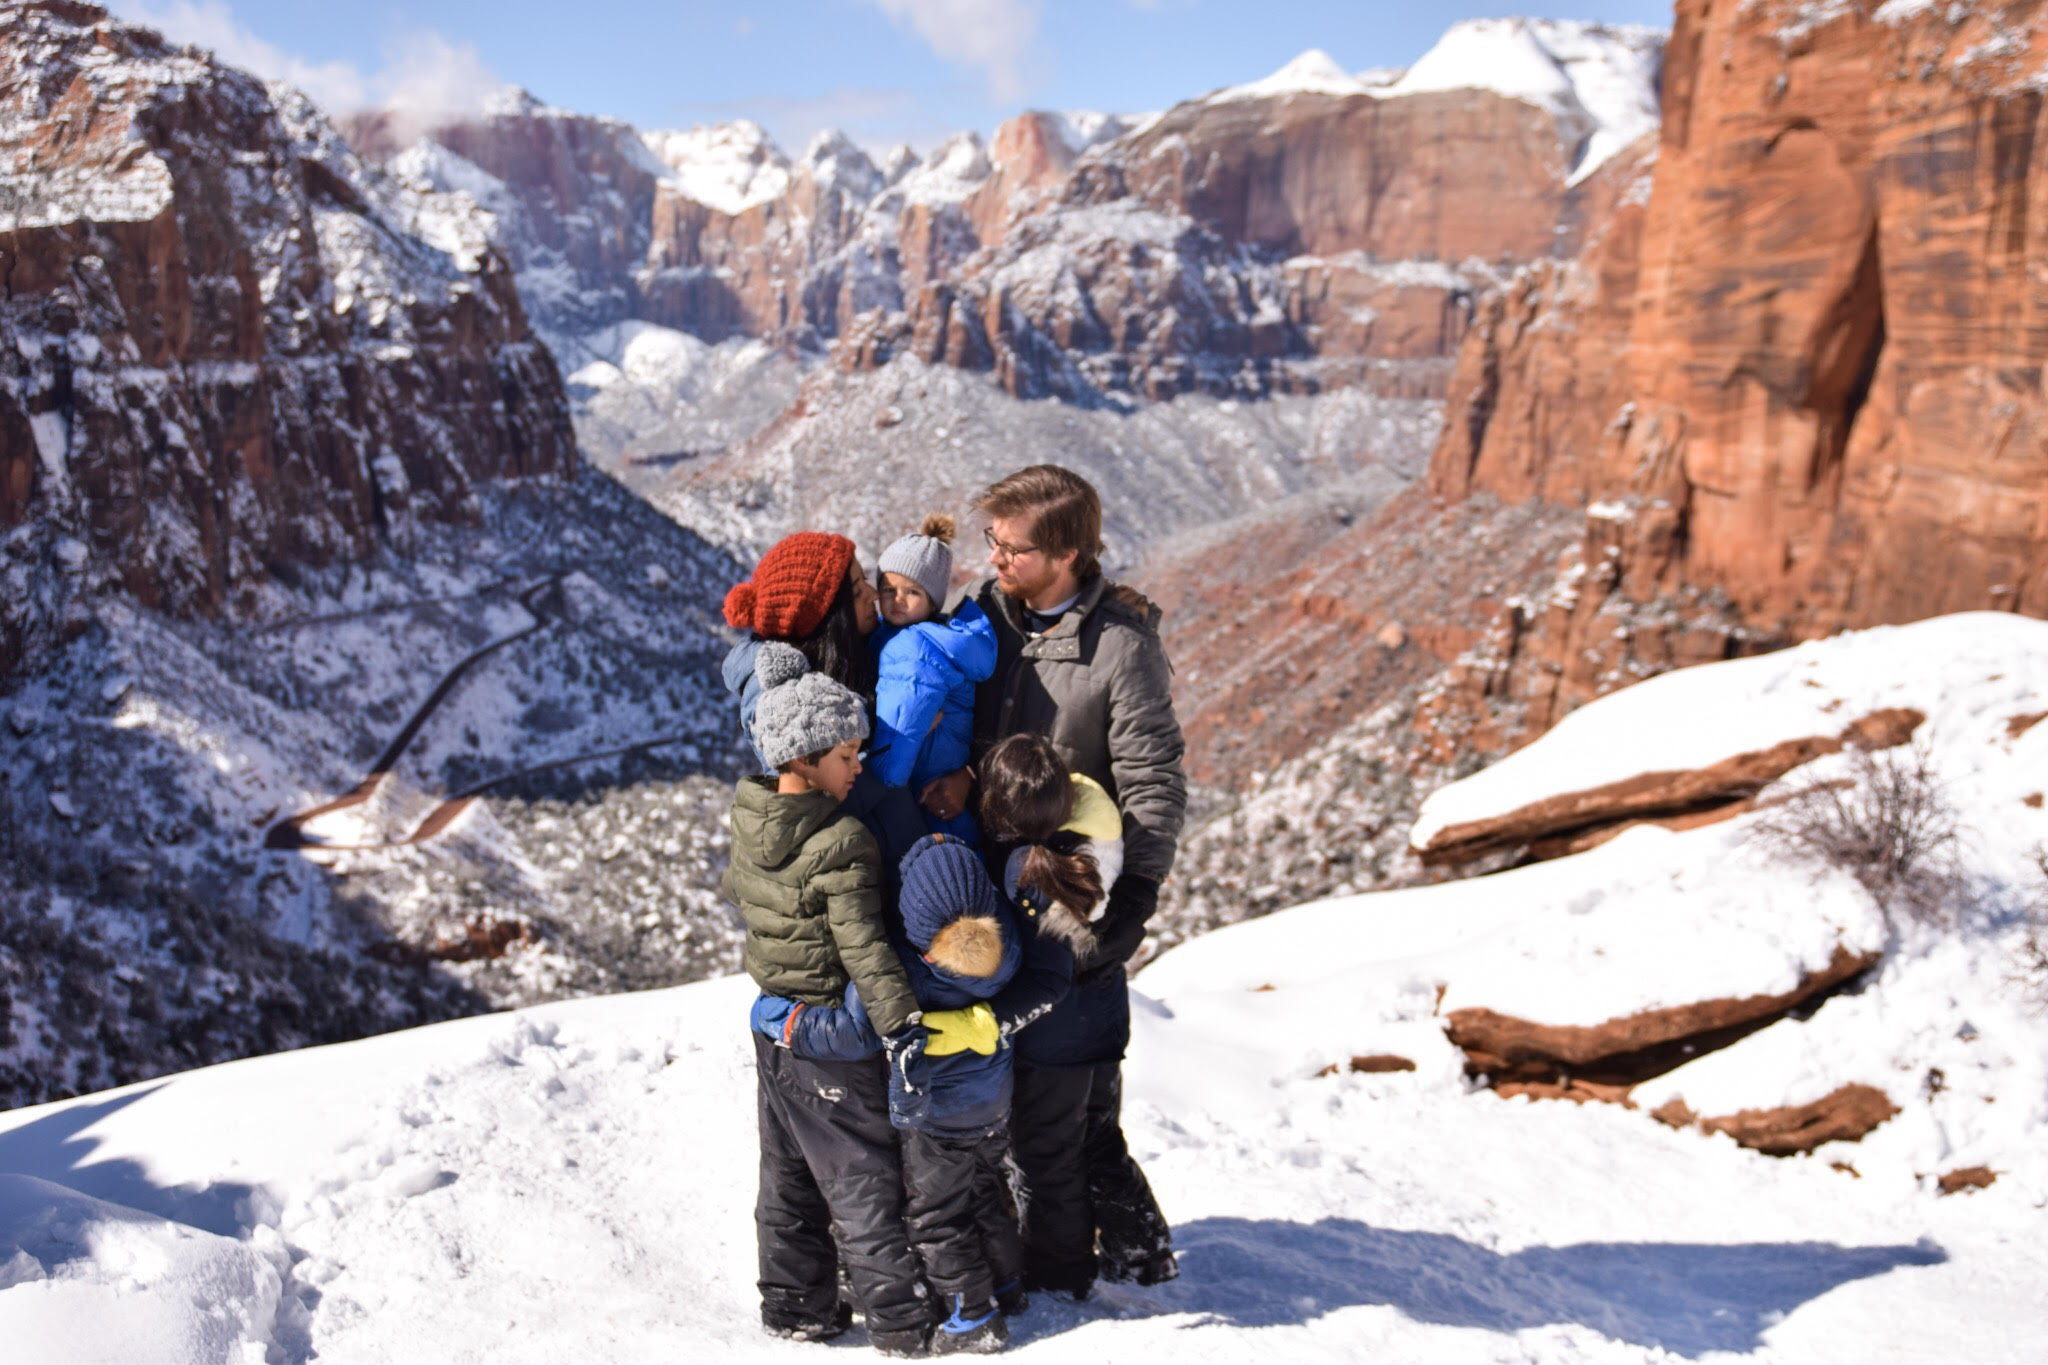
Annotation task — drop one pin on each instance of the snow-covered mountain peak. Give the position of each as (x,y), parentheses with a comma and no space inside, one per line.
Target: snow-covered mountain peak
(725,166)
(901,161)
(835,163)
(1314,72)
(1601,79)
(954,170)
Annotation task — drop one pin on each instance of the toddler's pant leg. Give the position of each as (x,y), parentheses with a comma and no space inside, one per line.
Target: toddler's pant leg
(995,1212)
(1127,1216)
(837,1116)
(939,1175)
(1048,1128)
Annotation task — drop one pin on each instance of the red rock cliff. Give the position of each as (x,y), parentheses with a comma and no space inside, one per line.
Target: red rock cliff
(225,345)
(1805,376)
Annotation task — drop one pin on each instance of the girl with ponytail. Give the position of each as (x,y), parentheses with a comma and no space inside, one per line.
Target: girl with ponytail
(1061,837)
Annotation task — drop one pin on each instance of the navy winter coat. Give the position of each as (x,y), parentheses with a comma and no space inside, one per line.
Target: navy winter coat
(1059,1014)
(956,950)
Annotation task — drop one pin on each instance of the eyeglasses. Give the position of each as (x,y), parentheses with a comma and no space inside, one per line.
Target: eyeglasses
(1006,552)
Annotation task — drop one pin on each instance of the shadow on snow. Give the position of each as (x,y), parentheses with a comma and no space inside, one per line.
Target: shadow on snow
(1688,1298)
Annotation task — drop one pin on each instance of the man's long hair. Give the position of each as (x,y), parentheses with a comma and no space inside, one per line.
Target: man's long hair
(1063,509)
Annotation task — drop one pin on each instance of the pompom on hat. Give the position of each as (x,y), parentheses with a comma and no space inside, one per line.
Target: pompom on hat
(793,586)
(801,712)
(926,558)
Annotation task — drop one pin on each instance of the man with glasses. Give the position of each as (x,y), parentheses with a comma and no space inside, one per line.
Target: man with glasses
(1079,661)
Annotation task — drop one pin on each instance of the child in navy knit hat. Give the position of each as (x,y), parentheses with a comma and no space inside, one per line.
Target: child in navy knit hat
(959,946)
(928,665)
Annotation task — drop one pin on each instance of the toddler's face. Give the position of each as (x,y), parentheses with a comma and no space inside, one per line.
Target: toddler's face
(903,602)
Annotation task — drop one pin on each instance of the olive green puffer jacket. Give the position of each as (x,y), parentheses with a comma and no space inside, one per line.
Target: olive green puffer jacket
(807,879)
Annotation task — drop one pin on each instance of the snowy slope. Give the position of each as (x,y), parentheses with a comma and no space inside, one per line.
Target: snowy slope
(726,166)
(576,1181)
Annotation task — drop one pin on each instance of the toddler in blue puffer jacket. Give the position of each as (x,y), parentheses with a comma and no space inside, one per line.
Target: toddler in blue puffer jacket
(959,946)
(927,665)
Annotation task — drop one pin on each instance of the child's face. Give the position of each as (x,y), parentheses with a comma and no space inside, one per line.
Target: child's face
(834,773)
(903,602)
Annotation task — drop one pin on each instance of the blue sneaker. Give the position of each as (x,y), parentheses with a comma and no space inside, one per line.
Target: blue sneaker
(978,1331)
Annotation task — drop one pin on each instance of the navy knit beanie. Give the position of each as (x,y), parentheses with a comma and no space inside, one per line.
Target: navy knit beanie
(943,879)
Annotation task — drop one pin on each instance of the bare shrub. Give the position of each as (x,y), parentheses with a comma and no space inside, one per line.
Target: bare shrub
(1889,824)
(2033,954)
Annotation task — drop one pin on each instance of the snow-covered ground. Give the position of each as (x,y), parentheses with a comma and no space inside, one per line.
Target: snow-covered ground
(575,1181)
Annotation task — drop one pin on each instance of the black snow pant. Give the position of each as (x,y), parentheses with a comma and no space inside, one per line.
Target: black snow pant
(1078,1182)
(959,1215)
(829,1163)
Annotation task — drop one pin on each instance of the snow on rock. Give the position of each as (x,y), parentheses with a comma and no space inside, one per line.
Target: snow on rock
(955,169)
(1314,72)
(1966,673)
(729,167)
(1599,80)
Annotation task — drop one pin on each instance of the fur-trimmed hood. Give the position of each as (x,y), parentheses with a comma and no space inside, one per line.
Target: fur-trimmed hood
(1049,915)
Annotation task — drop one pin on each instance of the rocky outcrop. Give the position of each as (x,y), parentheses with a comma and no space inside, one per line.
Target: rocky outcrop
(1516,1054)
(1797,385)
(1848,1113)
(230,345)
(1575,820)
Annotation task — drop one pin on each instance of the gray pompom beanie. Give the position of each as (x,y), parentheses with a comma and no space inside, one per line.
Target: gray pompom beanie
(801,712)
(925,558)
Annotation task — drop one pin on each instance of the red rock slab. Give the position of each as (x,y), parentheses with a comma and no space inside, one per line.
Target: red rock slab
(1844,1115)
(1631,1049)
(1967,1179)
(1570,816)
(2016,726)
(1378,1063)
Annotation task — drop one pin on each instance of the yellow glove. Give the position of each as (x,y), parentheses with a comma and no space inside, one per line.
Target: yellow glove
(970,1030)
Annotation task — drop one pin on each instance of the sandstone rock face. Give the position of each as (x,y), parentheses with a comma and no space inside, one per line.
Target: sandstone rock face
(1718,790)
(571,197)
(230,345)
(1623,1052)
(1846,1114)
(1798,384)
(1270,241)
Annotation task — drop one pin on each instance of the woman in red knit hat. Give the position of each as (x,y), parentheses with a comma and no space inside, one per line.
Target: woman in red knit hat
(807,591)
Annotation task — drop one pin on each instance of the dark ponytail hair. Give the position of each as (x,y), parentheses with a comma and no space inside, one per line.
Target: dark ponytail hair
(1026,796)
(838,649)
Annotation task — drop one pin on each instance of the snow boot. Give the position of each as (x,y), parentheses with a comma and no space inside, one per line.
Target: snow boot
(1011,1298)
(784,1324)
(979,1331)
(1157,1268)
(909,1343)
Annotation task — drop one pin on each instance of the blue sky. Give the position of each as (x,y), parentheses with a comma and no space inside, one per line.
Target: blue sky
(884,70)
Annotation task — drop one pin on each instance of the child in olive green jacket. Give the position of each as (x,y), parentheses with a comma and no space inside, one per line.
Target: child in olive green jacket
(806,877)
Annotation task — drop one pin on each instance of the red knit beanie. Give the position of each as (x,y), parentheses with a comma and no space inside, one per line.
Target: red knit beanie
(793,586)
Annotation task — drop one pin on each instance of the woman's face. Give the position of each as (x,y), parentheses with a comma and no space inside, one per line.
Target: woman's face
(864,613)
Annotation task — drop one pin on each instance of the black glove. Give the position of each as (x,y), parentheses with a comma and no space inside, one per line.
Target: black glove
(905,1051)
(1121,928)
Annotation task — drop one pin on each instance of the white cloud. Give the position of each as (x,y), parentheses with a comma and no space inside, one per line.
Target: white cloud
(996,36)
(423,75)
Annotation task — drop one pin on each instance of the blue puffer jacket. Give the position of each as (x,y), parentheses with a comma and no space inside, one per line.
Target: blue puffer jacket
(928,672)
(959,945)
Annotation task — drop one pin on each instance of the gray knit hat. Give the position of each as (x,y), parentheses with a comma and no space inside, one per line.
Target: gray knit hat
(925,558)
(801,712)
